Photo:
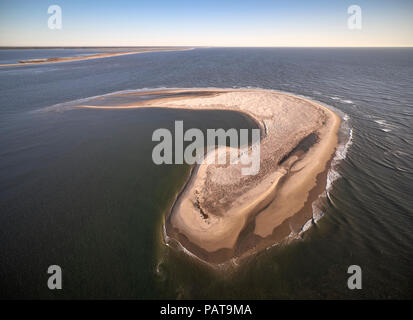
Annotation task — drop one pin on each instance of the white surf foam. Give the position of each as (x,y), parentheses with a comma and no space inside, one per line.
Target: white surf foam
(317,212)
(384,125)
(341,153)
(332,176)
(346,101)
(307,225)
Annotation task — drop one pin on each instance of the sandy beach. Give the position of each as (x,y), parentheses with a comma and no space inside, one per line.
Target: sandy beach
(89,57)
(222,215)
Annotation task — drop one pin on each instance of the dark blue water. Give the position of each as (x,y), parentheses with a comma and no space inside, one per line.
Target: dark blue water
(78,188)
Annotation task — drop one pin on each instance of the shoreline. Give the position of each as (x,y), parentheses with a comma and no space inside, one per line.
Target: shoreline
(88,57)
(280,202)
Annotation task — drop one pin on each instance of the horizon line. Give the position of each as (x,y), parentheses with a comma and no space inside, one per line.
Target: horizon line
(181,46)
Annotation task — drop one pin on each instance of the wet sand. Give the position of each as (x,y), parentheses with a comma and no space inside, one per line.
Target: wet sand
(222,215)
(89,57)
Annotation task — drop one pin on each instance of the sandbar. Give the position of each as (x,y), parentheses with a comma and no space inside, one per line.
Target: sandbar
(221,215)
(89,57)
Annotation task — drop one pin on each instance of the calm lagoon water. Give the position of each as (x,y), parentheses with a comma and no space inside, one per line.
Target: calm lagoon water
(78,187)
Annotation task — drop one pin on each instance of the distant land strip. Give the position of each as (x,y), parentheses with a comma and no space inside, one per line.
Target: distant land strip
(92,56)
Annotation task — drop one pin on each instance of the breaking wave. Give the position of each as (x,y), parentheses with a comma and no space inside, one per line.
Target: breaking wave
(384,125)
(342,100)
(345,142)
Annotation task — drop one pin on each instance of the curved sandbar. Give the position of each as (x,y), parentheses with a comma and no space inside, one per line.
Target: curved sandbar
(222,214)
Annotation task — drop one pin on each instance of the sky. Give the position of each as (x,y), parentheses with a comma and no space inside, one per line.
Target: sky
(249,23)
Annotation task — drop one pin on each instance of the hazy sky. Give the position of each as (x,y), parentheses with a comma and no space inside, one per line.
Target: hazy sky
(206,23)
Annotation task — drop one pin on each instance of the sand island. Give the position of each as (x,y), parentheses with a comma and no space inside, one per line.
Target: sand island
(221,215)
(90,56)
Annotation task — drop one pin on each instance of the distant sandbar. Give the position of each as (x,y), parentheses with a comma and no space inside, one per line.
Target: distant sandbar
(89,57)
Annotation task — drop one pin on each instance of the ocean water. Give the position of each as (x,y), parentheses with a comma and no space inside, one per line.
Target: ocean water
(78,187)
